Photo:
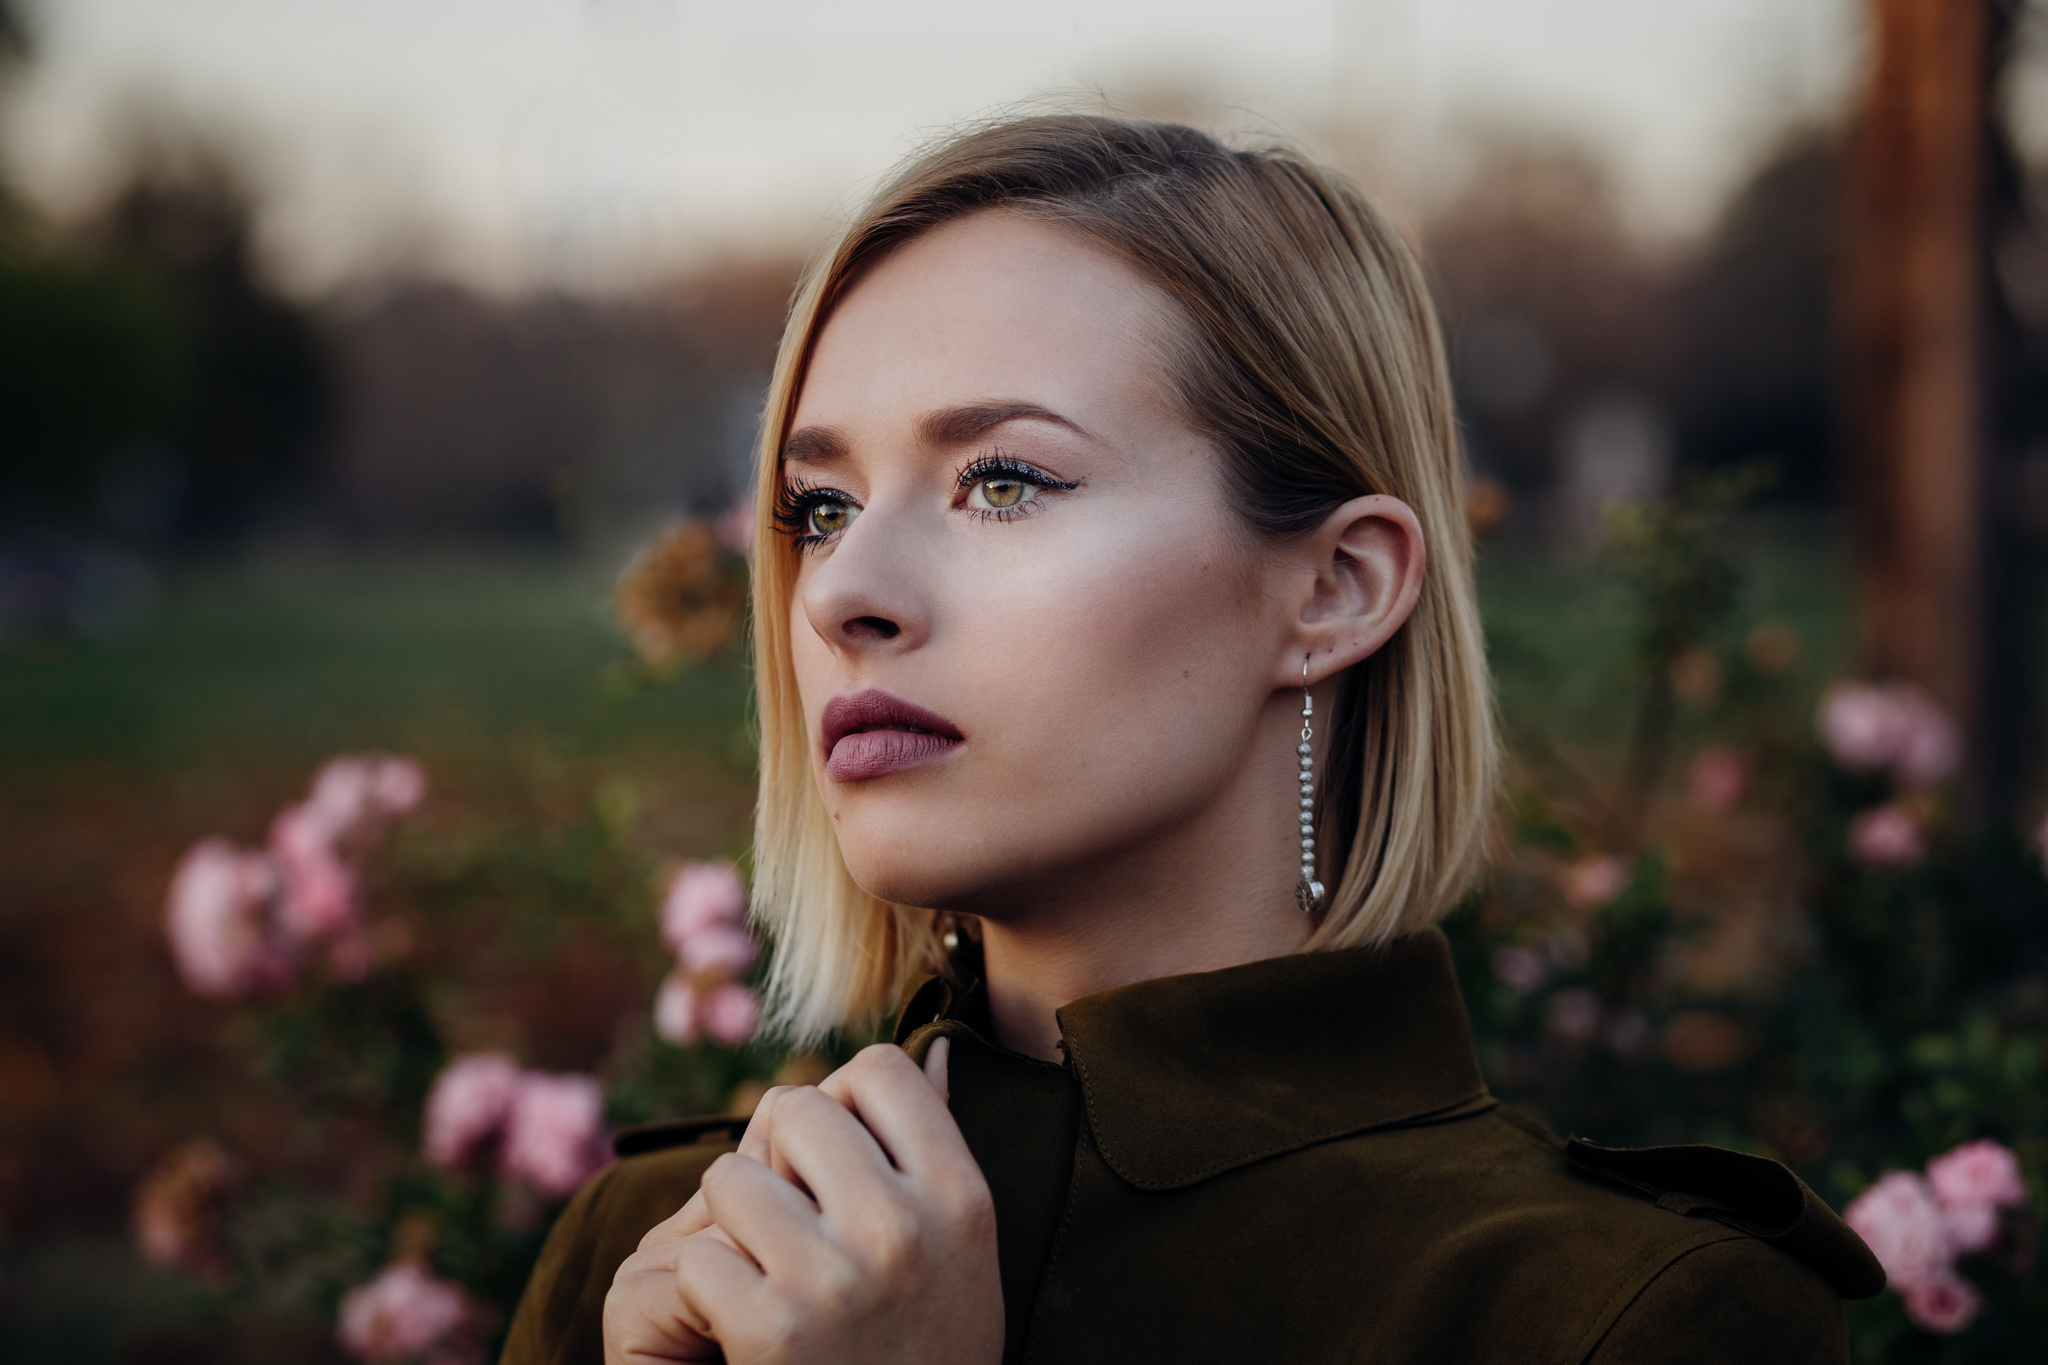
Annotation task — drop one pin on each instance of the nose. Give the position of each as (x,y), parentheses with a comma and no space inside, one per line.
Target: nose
(867,595)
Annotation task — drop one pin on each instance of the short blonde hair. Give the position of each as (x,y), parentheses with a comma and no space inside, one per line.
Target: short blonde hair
(1313,360)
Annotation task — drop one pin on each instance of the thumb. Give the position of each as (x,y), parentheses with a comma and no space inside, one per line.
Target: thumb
(935,1064)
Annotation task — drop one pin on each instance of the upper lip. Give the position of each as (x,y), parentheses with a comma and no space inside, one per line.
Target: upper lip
(875,709)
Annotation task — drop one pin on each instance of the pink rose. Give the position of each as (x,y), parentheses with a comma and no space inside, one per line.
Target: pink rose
(398,787)
(730,1013)
(1857,726)
(319,899)
(469,1106)
(217,918)
(1928,746)
(1718,778)
(735,525)
(1520,970)
(718,950)
(1972,1184)
(1946,1303)
(1595,881)
(554,1138)
(401,1315)
(1886,837)
(1574,1015)
(1900,1221)
(702,896)
(675,1011)
(343,800)
(1896,726)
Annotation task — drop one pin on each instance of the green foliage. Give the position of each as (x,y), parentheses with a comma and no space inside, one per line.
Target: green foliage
(1746,981)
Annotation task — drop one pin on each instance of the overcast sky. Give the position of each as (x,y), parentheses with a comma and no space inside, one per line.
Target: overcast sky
(580,140)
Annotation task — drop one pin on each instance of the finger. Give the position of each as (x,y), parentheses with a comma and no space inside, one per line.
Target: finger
(717,1287)
(762,1214)
(935,1065)
(896,1102)
(829,1153)
(686,1221)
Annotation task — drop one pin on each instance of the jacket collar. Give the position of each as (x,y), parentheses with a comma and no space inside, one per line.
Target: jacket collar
(1185,1077)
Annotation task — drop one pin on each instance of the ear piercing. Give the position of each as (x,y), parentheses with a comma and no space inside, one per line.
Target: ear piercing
(1308,892)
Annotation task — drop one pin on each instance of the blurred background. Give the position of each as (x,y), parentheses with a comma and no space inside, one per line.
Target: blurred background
(377,377)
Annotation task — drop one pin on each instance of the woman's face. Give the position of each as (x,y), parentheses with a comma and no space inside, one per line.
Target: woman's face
(1032,640)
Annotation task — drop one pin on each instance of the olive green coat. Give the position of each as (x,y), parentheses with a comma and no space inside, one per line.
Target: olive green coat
(1297,1160)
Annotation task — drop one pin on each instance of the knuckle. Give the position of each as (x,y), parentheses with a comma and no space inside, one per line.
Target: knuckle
(894,1234)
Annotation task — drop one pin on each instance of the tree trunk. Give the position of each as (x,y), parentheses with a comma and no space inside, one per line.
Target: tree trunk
(1912,315)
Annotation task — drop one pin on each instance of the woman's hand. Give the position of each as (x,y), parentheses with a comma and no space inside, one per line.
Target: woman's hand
(853,1225)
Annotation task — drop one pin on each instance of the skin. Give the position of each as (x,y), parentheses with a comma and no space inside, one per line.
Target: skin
(1124,661)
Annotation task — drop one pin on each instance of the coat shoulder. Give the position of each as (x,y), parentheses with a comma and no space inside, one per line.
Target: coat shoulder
(1601,1252)
(1736,1299)
(560,1318)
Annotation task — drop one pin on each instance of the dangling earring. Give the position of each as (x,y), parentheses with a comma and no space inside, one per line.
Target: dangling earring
(1308,892)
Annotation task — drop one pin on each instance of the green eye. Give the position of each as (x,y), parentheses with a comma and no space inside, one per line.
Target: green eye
(829,518)
(1003,490)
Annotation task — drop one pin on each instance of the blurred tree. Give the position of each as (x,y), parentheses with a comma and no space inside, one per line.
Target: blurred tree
(152,382)
(1753,378)
(257,391)
(1549,303)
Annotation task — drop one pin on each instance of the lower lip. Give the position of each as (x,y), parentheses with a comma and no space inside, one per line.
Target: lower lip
(876,753)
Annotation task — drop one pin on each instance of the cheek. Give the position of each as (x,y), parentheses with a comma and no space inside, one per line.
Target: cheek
(1115,665)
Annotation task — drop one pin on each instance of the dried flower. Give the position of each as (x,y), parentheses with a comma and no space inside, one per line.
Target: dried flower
(469,1106)
(179,1203)
(217,917)
(1703,1041)
(1773,648)
(1718,779)
(405,1314)
(554,1136)
(1595,882)
(681,598)
(1886,837)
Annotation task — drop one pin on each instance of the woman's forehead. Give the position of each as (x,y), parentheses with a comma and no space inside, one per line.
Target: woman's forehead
(993,310)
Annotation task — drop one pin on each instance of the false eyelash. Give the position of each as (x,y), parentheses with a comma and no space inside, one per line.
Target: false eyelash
(995,462)
(793,504)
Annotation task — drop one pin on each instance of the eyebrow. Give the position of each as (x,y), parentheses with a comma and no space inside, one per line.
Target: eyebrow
(954,426)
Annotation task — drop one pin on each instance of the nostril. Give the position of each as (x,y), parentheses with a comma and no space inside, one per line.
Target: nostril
(875,627)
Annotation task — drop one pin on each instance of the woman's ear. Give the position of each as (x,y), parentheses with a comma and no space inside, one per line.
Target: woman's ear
(1365,566)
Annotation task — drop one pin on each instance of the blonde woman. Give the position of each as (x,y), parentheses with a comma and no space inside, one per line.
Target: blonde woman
(1120,681)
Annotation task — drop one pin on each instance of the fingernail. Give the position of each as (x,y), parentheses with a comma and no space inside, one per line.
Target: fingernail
(935,1065)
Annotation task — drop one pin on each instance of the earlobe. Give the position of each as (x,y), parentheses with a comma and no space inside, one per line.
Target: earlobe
(1367,561)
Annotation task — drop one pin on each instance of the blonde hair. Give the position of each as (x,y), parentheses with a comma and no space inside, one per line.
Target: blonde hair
(1313,361)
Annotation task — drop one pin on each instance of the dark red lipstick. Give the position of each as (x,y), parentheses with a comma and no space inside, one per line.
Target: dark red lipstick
(869,734)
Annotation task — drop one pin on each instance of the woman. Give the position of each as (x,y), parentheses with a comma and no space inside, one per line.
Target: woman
(1120,673)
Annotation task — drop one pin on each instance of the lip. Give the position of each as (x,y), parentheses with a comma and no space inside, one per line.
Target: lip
(872,733)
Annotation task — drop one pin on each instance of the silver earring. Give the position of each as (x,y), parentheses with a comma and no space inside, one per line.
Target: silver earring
(1308,892)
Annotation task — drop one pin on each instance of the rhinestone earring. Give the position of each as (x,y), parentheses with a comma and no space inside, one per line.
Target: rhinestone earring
(1308,892)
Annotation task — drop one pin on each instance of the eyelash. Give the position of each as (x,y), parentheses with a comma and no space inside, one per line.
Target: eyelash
(796,499)
(988,466)
(793,506)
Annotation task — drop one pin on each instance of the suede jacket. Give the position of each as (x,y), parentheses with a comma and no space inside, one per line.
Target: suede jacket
(1298,1160)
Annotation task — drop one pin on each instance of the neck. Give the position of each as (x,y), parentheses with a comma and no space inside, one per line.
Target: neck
(1215,890)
